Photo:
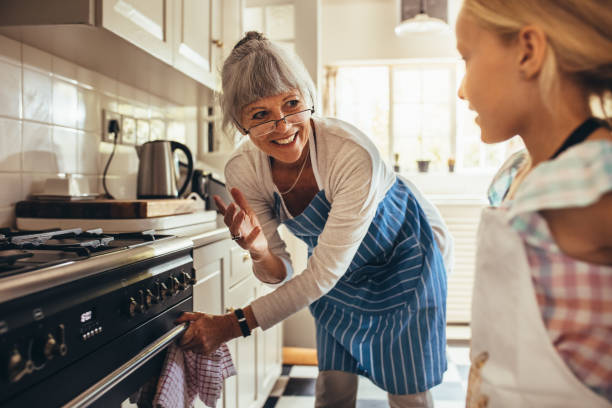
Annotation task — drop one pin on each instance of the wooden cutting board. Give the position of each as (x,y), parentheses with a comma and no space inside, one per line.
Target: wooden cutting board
(106,209)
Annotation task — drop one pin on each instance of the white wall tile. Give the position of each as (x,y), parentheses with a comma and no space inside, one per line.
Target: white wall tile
(7,217)
(64,69)
(34,58)
(125,161)
(106,85)
(86,77)
(89,113)
(65,145)
(37,95)
(10,145)
(122,187)
(65,103)
(38,150)
(32,183)
(88,153)
(10,50)
(11,189)
(10,90)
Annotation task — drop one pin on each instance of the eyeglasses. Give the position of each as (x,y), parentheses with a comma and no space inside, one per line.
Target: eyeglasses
(268,127)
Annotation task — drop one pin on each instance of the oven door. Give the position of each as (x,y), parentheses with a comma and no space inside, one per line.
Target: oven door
(113,373)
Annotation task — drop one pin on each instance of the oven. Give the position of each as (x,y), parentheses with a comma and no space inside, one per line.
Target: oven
(91,331)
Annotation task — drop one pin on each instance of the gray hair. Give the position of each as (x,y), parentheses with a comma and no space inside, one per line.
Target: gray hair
(258,68)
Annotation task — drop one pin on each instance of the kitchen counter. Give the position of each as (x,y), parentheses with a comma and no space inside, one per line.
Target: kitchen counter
(207,237)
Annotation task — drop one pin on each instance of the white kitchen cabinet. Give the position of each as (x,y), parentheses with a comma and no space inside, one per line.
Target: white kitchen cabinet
(187,35)
(198,39)
(224,280)
(241,265)
(145,23)
(269,354)
(241,391)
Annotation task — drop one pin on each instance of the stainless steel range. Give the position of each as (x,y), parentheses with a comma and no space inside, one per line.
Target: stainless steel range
(85,316)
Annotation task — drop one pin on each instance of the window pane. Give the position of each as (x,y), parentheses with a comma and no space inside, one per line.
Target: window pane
(362,99)
(422,115)
(436,85)
(407,84)
(280,22)
(253,19)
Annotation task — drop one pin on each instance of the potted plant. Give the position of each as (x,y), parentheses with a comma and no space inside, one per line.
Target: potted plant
(422,162)
(451,164)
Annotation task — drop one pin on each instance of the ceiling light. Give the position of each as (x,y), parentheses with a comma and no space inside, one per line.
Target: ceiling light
(420,23)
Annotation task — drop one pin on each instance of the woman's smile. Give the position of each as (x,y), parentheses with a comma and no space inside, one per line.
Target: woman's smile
(287,140)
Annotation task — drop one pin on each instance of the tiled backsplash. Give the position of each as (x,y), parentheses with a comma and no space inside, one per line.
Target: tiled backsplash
(51,124)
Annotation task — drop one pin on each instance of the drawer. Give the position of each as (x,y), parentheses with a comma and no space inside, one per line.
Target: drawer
(240,265)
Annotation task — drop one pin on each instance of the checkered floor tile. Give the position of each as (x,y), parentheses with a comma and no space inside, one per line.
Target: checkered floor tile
(296,386)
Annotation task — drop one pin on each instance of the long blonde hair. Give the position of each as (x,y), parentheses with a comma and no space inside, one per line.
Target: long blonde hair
(579,33)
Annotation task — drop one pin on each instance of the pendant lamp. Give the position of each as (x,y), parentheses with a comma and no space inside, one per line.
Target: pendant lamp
(421,22)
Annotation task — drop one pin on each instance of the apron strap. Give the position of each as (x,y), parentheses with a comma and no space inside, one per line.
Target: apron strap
(580,134)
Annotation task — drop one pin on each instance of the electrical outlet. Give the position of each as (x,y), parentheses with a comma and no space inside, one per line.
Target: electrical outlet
(128,130)
(107,116)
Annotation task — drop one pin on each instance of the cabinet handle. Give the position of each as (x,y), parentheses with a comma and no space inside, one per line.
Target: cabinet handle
(218,43)
(245,257)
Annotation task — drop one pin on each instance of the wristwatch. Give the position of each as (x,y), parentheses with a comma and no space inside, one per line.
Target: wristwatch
(244,327)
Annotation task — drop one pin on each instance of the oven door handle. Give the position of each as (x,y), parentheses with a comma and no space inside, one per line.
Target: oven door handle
(100,388)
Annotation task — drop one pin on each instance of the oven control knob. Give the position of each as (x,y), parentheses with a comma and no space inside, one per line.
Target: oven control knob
(18,367)
(142,305)
(187,279)
(164,292)
(177,285)
(51,347)
(132,307)
(150,298)
(63,348)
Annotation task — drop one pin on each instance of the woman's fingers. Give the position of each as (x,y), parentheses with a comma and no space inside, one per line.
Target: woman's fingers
(221,206)
(228,219)
(237,223)
(252,237)
(187,317)
(240,200)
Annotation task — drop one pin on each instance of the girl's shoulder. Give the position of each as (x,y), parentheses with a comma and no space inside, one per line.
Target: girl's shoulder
(577,178)
(505,175)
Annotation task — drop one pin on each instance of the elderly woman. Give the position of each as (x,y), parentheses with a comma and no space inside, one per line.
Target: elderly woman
(375,280)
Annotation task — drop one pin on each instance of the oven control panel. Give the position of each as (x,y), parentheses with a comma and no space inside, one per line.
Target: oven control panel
(55,329)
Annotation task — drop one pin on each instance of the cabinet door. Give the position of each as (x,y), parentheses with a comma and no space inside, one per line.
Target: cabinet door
(241,391)
(196,36)
(241,265)
(145,23)
(269,363)
(208,290)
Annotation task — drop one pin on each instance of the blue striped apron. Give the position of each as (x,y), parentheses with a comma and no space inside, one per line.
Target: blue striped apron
(385,318)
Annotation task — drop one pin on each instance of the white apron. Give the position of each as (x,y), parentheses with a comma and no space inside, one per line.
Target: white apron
(514,363)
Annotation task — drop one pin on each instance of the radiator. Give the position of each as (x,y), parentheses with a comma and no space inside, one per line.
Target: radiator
(462,221)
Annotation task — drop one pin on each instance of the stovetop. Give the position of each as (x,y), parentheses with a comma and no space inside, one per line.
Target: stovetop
(25,251)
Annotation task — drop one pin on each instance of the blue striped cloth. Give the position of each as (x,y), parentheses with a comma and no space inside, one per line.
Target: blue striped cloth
(385,318)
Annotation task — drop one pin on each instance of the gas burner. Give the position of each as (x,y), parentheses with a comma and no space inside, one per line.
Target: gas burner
(22,251)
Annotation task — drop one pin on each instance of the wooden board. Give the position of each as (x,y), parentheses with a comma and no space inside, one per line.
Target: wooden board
(106,209)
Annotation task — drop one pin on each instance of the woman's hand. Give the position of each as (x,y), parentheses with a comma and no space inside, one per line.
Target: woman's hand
(206,333)
(243,222)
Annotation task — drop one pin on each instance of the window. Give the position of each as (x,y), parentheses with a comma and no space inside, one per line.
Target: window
(275,21)
(412,110)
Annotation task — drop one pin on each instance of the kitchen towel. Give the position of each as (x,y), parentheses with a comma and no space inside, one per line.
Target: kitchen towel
(186,375)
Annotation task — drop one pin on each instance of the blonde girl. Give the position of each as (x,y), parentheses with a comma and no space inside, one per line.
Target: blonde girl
(542,308)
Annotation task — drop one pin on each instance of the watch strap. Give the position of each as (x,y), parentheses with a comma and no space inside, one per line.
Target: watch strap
(244,327)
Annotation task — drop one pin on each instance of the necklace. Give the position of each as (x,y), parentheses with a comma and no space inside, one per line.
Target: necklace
(299,174)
